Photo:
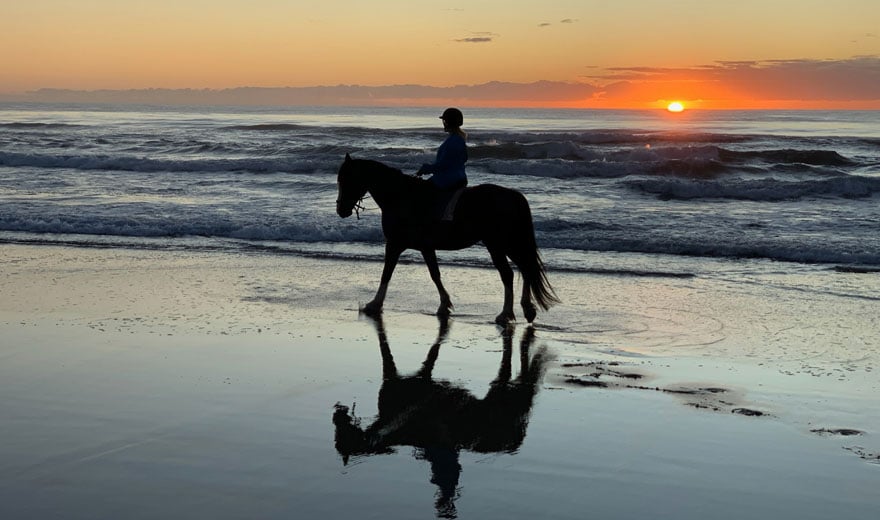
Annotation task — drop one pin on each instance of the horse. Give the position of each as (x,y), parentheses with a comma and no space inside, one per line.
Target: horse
(498,217)
(439,419)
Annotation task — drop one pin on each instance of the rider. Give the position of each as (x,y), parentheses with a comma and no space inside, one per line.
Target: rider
(447,172)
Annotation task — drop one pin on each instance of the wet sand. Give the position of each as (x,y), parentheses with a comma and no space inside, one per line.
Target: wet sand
(148,384)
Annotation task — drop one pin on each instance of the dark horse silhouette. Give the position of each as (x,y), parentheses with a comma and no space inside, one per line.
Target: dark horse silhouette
(497,216)
(439,419)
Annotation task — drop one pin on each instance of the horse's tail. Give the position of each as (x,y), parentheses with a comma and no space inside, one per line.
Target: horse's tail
(532,267)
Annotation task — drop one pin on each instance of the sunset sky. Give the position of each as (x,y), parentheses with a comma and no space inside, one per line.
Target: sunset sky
(627,53)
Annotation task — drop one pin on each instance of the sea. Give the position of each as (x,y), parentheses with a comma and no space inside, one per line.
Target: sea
(616,192)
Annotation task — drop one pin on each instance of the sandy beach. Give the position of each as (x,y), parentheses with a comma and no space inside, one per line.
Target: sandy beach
(199,384)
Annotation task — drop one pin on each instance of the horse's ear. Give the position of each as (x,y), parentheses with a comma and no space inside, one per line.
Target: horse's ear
(347,157)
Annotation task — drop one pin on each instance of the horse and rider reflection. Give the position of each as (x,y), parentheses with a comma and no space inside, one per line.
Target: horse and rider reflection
(439,418)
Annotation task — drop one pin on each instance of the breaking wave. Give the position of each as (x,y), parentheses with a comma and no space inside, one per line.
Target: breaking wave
(762,190)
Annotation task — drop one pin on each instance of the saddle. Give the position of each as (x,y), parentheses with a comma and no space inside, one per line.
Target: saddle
(448,202)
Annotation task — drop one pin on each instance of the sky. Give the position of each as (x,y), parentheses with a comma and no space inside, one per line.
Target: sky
(581,53)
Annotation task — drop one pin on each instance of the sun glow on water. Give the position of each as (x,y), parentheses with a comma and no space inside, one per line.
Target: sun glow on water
(675,106)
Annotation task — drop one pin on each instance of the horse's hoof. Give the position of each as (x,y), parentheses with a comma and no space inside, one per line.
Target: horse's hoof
(372,309)
(530,313)
(505,319)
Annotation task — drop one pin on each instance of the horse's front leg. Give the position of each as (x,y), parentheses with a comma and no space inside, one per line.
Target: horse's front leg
(392,255)
(430,257)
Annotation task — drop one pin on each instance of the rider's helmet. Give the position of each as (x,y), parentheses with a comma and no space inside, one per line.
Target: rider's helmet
(453,117)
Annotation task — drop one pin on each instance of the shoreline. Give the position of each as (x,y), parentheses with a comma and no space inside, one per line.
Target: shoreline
(134,374)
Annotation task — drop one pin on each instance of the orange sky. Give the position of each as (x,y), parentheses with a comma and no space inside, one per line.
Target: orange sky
(628,53)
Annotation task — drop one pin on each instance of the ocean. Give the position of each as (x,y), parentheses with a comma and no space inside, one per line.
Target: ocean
(617,192)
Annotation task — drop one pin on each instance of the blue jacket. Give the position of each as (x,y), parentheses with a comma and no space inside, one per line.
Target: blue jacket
(448,169)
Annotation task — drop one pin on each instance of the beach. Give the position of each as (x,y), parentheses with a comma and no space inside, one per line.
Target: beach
(201,383)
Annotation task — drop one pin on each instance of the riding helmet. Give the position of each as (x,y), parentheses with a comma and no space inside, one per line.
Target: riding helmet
(453,117)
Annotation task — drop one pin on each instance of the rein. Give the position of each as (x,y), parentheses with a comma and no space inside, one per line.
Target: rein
(359,206)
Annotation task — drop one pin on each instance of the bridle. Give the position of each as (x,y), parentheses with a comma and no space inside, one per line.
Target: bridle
(358,205)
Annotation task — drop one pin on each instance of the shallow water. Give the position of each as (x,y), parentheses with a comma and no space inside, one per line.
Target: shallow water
(152,383)
(229,428)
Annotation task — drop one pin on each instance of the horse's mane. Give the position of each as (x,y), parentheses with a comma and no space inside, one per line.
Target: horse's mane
(396,173)
(376,165)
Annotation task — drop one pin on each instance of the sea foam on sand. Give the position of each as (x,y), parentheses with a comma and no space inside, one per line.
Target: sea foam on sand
(146,384)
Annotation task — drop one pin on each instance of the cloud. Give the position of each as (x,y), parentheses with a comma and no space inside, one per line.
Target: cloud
(475,39)
(493,93)
(478,37)
(566,20)
(794,83)
(853,79)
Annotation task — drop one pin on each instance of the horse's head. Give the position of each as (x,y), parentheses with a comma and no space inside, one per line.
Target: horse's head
(351,188)
(352,439)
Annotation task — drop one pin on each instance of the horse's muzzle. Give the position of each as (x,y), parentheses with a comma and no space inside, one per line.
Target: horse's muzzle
(343,212)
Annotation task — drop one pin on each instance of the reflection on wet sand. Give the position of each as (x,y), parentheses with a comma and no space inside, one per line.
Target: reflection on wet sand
(439,419)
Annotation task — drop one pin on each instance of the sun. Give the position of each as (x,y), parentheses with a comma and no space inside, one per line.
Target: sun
(675,106)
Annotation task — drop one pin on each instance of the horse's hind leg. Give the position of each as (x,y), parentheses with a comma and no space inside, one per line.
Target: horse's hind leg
(430,257)
(529,309)
(503,266)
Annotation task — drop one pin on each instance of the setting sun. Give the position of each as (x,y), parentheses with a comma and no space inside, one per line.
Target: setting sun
(675,106)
